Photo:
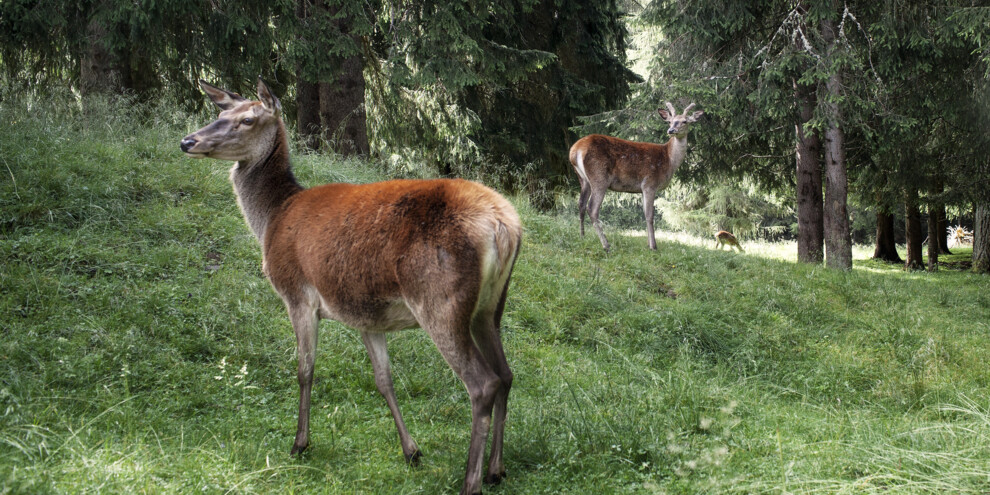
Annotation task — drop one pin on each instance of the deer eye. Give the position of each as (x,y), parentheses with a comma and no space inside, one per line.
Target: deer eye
(247,121)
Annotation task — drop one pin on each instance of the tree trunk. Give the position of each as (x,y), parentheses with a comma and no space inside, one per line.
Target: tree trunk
(912,230)
(307,90)
(809,181)
(886,248)
(933,248)
(100,68)
(940,232)
(330,97)
(943,229)
(140,74)
(981,239)
(342,109)
(308,111)
(838,240)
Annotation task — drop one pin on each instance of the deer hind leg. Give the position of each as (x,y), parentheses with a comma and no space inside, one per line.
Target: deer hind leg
(648,198)
(583,201)
(597,196)
(305,323)
(377,348)
(454,341)
(443,306)
(488,337)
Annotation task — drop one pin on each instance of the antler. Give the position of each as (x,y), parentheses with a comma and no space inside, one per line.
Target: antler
(670,108)
(688,109)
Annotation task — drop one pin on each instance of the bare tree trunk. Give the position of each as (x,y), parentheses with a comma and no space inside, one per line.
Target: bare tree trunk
(981,239)
(938,233)
(943,229)
(912,230)
(838,240)
(886,248)
(933,248)
(809,181)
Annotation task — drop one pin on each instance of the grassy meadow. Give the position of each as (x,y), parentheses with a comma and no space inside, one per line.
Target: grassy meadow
(143,351)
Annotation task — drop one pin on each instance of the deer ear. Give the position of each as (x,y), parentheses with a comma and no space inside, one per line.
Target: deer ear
(695,116)
(268,98)
(665,115)
(221,97)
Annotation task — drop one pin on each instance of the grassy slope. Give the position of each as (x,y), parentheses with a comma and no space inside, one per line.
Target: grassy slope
(128,280)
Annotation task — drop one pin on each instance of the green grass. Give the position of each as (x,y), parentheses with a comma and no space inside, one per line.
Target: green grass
(143,351)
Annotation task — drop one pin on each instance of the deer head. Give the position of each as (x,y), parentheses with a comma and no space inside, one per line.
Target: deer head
(243,131)
(679,124)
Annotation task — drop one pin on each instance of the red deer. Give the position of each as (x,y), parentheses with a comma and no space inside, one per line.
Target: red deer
(724,238)
(606,163)
(379,258)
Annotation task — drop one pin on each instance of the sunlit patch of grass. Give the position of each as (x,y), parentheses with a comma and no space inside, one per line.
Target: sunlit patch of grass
(778,250)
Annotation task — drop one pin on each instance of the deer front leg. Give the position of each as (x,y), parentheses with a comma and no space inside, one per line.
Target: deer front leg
(648,198)
(375,343)
(305,323)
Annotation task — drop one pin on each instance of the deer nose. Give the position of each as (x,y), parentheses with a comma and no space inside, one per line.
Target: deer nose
(187,143)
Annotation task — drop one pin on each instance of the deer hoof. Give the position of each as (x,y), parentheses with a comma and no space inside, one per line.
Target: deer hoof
(494,478)
(298,449)
(413,459)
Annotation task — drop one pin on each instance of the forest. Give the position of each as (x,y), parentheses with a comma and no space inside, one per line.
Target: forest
(841,348)
(826,122)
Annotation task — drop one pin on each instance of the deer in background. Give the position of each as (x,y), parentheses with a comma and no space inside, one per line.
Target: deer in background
(607,163)
(379,258)
(725,238)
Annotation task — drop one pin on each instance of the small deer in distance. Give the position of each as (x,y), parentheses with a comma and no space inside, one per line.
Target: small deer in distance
(607,163)
(379,258)
(725,238)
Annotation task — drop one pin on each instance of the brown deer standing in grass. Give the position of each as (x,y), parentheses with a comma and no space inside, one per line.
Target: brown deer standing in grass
(725,238)
(603,163)
(379,258)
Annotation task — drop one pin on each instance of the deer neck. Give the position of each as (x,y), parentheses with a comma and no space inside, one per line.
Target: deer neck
(262,185)
(676,150)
